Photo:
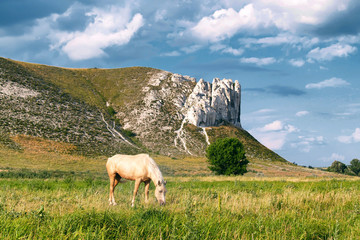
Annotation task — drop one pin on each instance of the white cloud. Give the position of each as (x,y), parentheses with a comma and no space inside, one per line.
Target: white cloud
(191,49)
(353,138)
(281,39)
(274,134)
(332,82)
(297,62)
(224,49)
(302,113)
(305,144)
(323,68)
(289,14)
(259,61)
(225,23)
(217,47)
(274,126)
(235,52)
(160,15)
(261,16)
(328,53)
(113,26)
(171,54)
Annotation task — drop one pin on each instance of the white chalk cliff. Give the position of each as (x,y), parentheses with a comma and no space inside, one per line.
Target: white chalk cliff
(213,104)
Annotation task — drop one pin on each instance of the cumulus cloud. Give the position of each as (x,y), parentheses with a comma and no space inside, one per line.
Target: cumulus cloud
(332,82)
(259,61)
(353,138)
(285,16)
(225,23)
(113,26)
(274,134)
(329,53)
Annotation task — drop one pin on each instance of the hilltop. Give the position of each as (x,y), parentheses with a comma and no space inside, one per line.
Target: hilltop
(106,111)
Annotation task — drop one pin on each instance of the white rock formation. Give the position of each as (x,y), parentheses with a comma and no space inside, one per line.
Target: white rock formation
(15,90)
(211,104)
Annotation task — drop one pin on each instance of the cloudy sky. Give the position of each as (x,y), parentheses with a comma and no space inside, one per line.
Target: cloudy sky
(298,61)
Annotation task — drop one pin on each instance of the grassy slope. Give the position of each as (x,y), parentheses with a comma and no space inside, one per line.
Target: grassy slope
(254,149)
(55,114)
(36,154)
(96,86)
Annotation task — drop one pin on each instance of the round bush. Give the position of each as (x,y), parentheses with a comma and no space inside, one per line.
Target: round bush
(227,156)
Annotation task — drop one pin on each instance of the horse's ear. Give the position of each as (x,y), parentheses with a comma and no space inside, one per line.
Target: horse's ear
(159,183)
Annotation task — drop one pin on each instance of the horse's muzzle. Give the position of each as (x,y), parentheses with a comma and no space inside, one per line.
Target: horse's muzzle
(162,203)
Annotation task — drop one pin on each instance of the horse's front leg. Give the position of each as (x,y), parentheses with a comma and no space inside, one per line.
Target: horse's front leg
(147,185)
(137,184)
(111,194)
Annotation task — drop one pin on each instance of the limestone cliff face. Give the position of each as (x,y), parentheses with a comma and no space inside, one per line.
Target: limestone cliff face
(174,110)
(212,104)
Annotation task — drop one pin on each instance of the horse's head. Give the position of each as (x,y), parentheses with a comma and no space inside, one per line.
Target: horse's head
(160,192)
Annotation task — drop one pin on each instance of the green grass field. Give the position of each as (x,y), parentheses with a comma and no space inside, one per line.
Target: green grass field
(74,208)
(46,193)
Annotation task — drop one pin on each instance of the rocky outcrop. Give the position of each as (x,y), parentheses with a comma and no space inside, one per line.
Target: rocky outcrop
(213,104)
(172,103)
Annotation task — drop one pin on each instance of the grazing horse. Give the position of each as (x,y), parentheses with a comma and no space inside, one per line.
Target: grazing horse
(139,168)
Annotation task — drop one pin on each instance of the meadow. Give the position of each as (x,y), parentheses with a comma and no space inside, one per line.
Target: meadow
(49,194)
(63,205)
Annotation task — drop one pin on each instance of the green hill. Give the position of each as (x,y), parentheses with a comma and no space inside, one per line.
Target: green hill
(105,111)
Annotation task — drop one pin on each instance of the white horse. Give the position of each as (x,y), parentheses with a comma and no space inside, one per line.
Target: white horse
(139,168)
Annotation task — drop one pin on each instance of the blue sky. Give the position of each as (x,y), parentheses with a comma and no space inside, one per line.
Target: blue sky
(297,61)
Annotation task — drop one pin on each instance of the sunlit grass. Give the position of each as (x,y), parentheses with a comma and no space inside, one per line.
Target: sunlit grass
(224,209)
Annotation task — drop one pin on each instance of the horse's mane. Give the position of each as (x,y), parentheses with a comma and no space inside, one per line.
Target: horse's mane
(155,169)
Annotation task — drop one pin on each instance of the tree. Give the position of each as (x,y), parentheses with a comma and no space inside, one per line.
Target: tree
(355,166)
(227,156)
(337,166)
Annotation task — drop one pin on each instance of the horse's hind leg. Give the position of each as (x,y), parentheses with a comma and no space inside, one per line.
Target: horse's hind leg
(147,185)
(114,180)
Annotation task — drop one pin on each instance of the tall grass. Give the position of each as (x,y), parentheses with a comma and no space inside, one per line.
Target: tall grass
(70,208)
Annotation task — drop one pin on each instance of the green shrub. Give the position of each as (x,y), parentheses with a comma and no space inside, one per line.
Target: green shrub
(355,166)
(227,156)
(337,167)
